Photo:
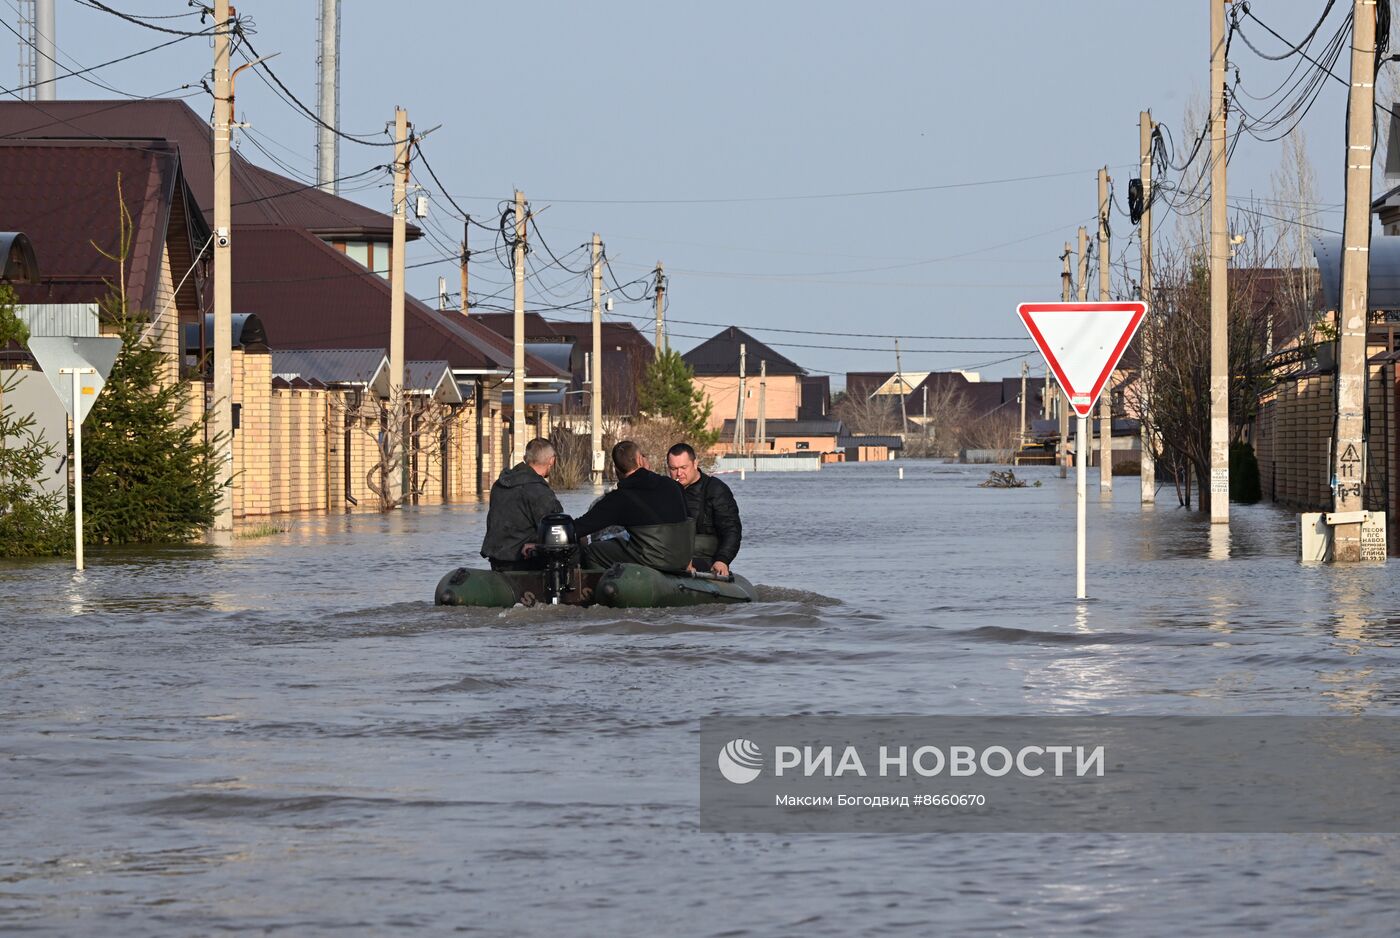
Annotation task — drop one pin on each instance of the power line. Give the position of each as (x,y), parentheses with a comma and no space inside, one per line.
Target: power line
(263,68)
(810,196)
(92,68)
(139,21)
(309,186)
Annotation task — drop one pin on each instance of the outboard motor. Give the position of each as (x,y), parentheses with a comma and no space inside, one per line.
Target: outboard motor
(557,546)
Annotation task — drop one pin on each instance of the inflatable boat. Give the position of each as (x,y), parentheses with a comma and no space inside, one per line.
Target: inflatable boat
(624,586)
(560,581)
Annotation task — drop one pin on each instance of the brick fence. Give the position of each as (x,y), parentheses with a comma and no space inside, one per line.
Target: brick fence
(312,449)
(1293,443)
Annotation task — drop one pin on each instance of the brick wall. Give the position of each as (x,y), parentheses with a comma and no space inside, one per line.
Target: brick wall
(293,445)
(252,470)
(1292,442)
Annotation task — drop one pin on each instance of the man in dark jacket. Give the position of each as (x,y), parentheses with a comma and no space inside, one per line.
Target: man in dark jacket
(519,499)
(710,502)
(650,507)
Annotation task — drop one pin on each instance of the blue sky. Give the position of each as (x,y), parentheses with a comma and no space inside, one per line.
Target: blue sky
(613,114)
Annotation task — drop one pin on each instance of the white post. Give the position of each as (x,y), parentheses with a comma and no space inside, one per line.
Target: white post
(1081,459)
(78,468)
(45,48)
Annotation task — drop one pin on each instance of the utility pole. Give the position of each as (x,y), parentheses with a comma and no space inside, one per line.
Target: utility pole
(1219,287)
(903,408)
(1106,399)
(660,308)
(596,365)
(925,453)
(760,436)
(1349,449)
(1083,440)
(328,98)
(739,408)
(1146,462)
(398,397)
(518,437)
(442,294)
(1025,369)
(466,260)
(221,425)
(1083,293)
(1066,294)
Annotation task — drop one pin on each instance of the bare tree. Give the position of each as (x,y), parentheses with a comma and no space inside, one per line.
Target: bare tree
(876,415)
(426,419)
(1177,412)
(1387,97)
(998,429)
(949,413)
(1296,207)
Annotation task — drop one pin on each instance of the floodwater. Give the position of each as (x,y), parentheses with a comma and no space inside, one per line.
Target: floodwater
(286,736)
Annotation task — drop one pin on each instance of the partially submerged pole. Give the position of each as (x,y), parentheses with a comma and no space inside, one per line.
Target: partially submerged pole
(1219,481)
(1349,448)
(1081,477)
(1147,465)
(1106,399)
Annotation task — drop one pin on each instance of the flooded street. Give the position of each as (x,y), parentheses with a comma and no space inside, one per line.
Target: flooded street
(288,736)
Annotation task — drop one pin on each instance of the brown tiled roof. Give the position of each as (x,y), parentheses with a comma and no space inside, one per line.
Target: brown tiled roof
(63,195)
(260,197)
(864,383)
(983,397)
(580,332)
(625,353)
(311,296)
(719,355)
(775,428)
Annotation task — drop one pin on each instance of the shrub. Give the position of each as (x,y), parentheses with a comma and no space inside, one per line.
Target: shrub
(32,522)
(1244,474)
(150,477)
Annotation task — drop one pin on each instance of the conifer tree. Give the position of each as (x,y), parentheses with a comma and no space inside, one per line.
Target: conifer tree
(149,475)
(32,522)
(668,393)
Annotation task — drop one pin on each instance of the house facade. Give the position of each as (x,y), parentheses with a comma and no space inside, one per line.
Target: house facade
(298,269)
(716,363)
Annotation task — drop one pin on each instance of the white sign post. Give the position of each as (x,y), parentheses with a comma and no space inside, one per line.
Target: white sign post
(77,368)
(78,391)
(1082,344)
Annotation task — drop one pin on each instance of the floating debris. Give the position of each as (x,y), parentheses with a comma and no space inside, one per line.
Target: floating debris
(1004,480)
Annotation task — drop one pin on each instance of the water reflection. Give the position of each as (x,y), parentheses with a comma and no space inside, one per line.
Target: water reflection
(1218,540)
(291,725)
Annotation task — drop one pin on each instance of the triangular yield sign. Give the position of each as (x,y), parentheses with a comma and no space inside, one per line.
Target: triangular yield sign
(57,353)
(1082,343)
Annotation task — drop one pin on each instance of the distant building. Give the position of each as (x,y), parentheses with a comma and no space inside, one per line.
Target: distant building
(626,353)
(716,365)
(300,266)
(783,436)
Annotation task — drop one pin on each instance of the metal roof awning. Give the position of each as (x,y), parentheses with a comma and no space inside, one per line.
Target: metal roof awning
(356,367)
(561,355)
(248,333)
(17,256)
(553,398)
(1385,271)
(433,379)
(364,368)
